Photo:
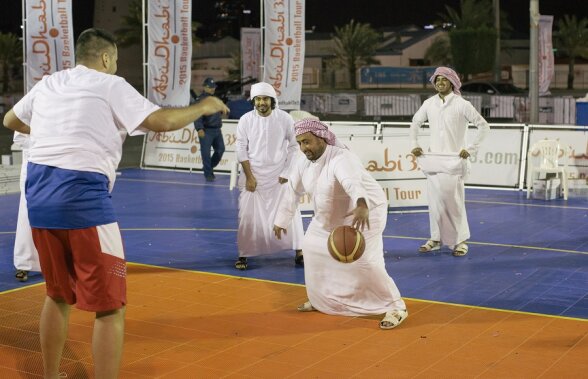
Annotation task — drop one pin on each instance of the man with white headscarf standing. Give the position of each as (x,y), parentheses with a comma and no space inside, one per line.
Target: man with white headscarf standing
(343,193)
(266,146)
(446,164)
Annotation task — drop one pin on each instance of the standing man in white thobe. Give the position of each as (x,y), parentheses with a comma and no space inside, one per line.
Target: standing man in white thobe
(343,193)
(26,257)
(448,115)
(266,146)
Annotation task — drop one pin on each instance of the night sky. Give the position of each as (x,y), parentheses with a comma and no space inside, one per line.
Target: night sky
(325,14)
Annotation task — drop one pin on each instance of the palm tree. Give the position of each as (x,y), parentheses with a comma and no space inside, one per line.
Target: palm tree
(439,53)
(472,14)
(131,33)
(355,46)
(10,57)
(472,36)
(572,39)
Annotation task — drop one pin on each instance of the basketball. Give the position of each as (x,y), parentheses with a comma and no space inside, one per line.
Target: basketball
(346,244)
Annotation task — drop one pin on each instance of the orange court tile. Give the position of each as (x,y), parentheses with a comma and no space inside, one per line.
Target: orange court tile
(185,324)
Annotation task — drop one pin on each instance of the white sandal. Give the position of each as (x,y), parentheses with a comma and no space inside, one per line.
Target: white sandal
(429,246)
(460,250)
(393,318)
(306,307)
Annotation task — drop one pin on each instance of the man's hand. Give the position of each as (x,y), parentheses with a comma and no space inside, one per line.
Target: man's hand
(360,215)
(211,105)
(282,180)
(201,133)
(278,232)
(464,153)
(417,152)
(251,184)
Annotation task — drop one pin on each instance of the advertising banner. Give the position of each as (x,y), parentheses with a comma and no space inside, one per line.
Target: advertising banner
(394,167)
(498,160)
(168,81)
(169,52)
(394,76)
(49,38)
(181,149)
(284,45)
(546,61)
(250,54)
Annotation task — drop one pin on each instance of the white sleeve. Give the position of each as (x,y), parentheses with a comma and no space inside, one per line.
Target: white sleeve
(479,122)
(242,144)
(292,146)
(290,195)
(24,108)
(348,172)
(419,118)
(129,107)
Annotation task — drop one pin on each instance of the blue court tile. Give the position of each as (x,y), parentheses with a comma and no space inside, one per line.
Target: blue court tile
(177,219)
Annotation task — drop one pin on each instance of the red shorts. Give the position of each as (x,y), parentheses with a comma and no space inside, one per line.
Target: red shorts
(85,267)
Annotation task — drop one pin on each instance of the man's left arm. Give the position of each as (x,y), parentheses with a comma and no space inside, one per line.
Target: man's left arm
(473,116)
(12,122)
(292,149)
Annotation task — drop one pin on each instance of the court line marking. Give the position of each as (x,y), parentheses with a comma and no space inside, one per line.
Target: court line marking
(227,276)
(406,298)
(384,236)
(501,245)
(171,182)
(527,204)
(467,201)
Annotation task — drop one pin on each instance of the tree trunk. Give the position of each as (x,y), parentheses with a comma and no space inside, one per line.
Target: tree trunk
(571,73)
(5,77)
(352,79)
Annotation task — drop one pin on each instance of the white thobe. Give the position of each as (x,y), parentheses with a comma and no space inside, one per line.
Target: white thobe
(448,123)
(445,174)
(335,181)
(25,256)
(269,144)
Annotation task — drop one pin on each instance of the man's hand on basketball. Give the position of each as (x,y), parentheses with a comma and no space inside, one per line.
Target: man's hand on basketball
(282,180)
(278,232)
(360,215)
(464,153)
(250,184)
(417,152)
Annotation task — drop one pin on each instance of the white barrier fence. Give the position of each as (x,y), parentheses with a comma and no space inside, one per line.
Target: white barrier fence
(552,110)
(384,149)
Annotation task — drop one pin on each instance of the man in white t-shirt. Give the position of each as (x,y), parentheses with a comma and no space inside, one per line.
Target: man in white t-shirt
(77,119)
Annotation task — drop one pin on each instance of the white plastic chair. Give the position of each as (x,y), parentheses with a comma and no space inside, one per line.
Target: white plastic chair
(547,151)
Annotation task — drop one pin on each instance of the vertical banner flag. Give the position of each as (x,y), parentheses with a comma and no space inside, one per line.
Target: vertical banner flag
(49,38)
(546,63)
(250,54)
(169,72)
(169,52)
(284,49)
